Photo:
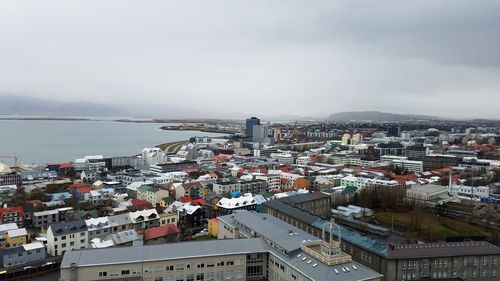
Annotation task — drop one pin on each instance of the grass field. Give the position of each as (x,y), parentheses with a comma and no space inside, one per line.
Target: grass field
(430,226)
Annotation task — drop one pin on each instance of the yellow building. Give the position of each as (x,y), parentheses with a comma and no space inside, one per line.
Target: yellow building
(16,237)
(213,227)
(165,202)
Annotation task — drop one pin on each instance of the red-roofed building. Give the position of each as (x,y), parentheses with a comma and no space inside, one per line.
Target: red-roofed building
(139,204)
(12,215)
(185,199)
(82,193)
(169,232)
(79,185)
(199,201)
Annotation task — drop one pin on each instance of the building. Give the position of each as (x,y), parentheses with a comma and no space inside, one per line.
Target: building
(67,236)
(260,134)
(414,152)
(172,167)
(151,194)
(293,253)
(346,139)
(273,181)
(144,219)
(12,215)
(16,237)
(469,192)
(45,218)
(392,148)
(316,203)
(393,131)
(474,260)
(98,227)
(19,255)
(232,259)
(227,206)
(428,195)
(249,123)
(251,186)
(411,166)
(356,139)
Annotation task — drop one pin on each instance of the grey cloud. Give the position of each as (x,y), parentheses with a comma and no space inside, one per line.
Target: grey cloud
(258,57)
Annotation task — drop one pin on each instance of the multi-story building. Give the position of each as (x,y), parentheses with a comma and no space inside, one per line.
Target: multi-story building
(45,218)
(250,122)
(316,203)
(409,165)
(145,219)
(392,148)
(98,227)
(414,152)
(12,215)
(229,205)
(172,167)
(66,236)
(251,186)
(470,192)
(277,254)
(151,194)
(273,181)
(16,237)
(469,260)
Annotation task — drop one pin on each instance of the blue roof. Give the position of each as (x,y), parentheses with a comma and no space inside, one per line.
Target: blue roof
(367,242)
(38,175)
(60,196)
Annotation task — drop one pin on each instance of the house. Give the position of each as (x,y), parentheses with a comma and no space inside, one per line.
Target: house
(169,218)
(61,196)
(165,202)
(98,227)
(83,193)
(16,237)
(126,237)
(67,236)
(227,206)
(165,233)
(4,228)
(23,254)
(151,194)
(191,216)
(12,215)
(139,204)
(145,219)
(120,222)
(45,218)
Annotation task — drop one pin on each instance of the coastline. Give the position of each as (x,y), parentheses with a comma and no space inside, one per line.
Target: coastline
(197,128)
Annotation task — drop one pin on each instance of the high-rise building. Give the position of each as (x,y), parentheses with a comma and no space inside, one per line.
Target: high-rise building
(393,131)
(250,122)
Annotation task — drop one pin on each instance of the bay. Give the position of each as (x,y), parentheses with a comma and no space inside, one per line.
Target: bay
(55,141)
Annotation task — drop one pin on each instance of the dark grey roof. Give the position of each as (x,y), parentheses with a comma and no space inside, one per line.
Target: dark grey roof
(279,232)
(174,251)
(292,211)
(64,228)
(445,249)
(301,198)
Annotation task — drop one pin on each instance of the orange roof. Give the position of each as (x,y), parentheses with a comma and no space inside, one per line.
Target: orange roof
(185,199)
(79,185)
(161,231)
(84,190)
(302,183)
(19,210)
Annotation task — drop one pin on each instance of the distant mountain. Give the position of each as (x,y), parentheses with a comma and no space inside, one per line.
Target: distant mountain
(377,116)
(20,105)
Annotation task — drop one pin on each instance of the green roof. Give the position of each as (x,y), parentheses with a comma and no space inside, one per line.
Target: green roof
(349,189)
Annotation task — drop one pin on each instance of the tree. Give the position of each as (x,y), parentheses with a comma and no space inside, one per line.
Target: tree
(35,194)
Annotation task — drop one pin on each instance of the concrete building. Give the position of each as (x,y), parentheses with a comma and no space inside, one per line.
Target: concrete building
(469,192)
(469,261)
(428,195)
(273,181)
(252,186)
(45,218)
(409,165)
(67,236)
(227,206)
(276,254)
(12,215)
(346,139)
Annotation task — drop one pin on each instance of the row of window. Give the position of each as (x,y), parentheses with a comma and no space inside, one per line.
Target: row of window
(209,276)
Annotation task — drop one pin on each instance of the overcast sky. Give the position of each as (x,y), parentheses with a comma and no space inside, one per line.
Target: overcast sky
(259,57)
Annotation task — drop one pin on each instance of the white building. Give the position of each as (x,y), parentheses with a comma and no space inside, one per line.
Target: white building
(469,192)
(153,156)
(283,158)
(66,236)
(273,180)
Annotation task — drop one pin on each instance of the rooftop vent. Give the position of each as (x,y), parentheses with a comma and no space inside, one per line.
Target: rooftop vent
(314,265)
(336,271)
(354,267)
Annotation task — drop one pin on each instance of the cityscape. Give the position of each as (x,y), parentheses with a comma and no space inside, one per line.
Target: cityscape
(169,140)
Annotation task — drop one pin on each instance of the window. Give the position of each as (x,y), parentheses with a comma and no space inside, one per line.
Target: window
(158,278)
(210,264)
(125,272)
(229,275)
(169,268)
(63,237)
(63,245)
(190,277)
(103,274)
(200,277)
(179,267)
(238,275)
(200,265)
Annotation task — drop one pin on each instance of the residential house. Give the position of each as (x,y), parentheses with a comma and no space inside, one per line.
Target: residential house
(169,218)
(67,236)
(120,222)
(98,227)
(16,237)
(12,215)
(161,234)
(145,219)
(151,194)
(27,253)
(165,202)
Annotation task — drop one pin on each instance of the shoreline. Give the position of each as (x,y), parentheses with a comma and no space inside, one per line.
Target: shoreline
(196,128)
